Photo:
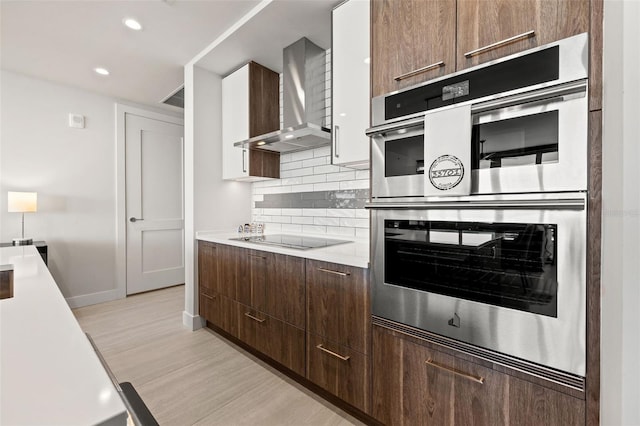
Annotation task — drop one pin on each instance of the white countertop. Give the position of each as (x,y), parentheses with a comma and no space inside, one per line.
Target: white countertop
(354,253)
(49,372)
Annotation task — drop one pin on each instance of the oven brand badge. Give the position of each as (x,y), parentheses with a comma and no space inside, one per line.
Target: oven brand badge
(446,172)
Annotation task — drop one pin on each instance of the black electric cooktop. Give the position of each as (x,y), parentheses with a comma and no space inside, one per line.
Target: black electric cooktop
(291,241)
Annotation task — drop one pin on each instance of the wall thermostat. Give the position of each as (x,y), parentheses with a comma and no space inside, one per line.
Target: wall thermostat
(76,121)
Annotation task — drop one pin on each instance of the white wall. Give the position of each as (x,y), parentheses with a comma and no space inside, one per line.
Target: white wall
(210,202)
(74,173)
(620,349)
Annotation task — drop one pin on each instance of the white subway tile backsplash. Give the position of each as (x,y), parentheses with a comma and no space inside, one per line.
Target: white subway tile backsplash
(302,188)
(291,212)
(257,197)
(301,155)
(329,221)
(273,228)
(362,232)
(329,168)
(314,179)
(362,174)
(341,213)
(344,232)
(275,190)
(302,220)
(354,223)
(272,212)
(291,165)
(355,184)
(316,161)
(296,172)
(291,181)
(343,176)
(281,219)
(329,186)
(314,212)
(362,213)
(314,229)
(292,228)
(324,151)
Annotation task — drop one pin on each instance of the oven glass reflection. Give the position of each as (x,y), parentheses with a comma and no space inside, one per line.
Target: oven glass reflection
(512,265)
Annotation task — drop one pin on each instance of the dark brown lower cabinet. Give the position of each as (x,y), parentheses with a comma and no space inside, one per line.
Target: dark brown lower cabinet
(417,385)
(219,310)
(339,370)
(278,340)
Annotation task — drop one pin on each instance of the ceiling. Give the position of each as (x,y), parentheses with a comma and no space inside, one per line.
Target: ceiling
(63,41)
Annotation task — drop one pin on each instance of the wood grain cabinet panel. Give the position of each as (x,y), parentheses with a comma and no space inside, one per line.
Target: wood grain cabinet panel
(228,258)
(407,35)
(416,385)
(338,304)
(207,266)
(285,289)
(482,23)
(252,278)
(339,370)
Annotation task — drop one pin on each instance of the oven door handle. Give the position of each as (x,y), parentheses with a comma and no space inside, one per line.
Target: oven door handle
(554,204)
(574,88)
(394,127)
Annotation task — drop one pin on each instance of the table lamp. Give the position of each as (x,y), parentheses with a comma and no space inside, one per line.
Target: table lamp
(22,202)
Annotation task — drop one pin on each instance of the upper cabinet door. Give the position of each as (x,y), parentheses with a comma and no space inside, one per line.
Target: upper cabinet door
(350,83)
(489,30)
(411,41)
(235,123)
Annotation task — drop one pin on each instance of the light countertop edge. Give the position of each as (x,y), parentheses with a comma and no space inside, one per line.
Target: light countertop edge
(353,253)
(50,373)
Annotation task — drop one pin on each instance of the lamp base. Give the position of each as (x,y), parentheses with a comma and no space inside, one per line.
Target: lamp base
(22,241)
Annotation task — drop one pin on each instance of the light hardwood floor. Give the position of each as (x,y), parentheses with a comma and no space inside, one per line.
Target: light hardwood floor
(196,378)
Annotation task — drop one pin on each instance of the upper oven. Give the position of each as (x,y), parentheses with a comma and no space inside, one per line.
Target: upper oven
(516,125)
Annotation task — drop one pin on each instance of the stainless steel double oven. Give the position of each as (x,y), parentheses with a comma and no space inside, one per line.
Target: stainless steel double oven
(478,206)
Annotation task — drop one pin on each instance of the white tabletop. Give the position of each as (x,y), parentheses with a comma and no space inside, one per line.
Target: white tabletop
(353,253)
(49,373)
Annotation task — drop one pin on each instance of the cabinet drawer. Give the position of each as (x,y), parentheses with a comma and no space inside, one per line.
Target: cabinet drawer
(338,304)
(339,370)
(220,311)
(417,385)
(276,339)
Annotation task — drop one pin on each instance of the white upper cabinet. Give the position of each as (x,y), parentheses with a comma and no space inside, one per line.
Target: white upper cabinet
(350,83)
(235,119)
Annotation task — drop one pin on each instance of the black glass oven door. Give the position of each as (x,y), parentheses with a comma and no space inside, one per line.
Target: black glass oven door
(512,265)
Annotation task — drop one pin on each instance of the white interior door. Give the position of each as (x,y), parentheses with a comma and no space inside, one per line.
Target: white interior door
(155,206)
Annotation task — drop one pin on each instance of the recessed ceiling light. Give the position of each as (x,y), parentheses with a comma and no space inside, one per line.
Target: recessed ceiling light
(132,23)
(261,143)
(101,71)
(367,60)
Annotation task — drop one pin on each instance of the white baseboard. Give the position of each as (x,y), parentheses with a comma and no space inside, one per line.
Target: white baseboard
(192,322)
(93,298)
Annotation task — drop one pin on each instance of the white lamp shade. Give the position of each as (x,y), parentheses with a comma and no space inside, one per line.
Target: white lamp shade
(22,202)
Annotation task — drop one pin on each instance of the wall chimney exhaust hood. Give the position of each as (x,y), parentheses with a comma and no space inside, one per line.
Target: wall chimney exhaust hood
(303,98)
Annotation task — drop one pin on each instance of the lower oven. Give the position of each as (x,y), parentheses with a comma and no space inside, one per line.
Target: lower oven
(505,273)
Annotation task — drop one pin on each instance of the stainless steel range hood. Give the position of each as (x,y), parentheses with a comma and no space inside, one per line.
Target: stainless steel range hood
(303,98)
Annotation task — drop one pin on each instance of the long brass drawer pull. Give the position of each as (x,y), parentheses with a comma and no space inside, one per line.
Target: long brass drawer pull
(323,349)
(419,71)
(247,314)
(343,274)
(477,379)
(207,296)
(492,46)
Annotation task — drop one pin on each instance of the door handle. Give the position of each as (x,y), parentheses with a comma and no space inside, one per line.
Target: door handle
(134,219)
(336,132)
